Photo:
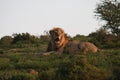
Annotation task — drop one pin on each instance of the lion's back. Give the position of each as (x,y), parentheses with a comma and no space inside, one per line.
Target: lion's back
(88,47)
(77,47)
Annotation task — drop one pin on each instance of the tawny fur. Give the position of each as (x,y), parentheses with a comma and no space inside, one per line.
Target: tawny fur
(67,46)
(52,46)
(77,47)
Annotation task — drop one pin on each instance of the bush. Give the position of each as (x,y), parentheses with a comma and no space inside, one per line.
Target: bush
(47,75)
(16,75)
(6,66)
(79,68)
(6,40)
(81,38)
(103,65)
(104,39)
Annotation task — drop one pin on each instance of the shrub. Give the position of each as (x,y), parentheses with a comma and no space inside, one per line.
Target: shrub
(47,75)
(6,66)
(104,39)
(6,40)
(16,75)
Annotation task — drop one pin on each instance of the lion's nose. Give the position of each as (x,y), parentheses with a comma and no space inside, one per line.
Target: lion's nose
(57,39)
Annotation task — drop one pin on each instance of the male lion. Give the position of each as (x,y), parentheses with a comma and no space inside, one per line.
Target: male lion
(58,40)
(60,43)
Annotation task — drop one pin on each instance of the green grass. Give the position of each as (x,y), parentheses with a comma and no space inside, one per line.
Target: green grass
(104,65)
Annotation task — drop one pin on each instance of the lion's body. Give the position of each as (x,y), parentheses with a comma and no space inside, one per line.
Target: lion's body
(60,43)
(77,47)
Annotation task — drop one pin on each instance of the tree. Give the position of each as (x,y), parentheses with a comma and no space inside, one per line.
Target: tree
(109,11)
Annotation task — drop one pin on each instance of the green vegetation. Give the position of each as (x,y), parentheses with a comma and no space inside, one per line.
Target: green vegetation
(18,58)
(21,59)
(105,65)
(109,11)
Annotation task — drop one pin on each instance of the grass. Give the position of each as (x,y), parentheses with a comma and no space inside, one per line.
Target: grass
(15,65)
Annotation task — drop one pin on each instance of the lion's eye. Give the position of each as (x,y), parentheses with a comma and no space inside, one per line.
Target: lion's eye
(59,32)
(56,31)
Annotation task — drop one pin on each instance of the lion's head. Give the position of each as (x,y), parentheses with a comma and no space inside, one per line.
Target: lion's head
(57,34)
(58,39)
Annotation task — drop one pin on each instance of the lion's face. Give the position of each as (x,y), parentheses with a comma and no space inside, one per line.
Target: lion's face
(56,35)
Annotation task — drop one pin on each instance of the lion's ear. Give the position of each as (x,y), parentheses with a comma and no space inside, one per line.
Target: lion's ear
(62,32)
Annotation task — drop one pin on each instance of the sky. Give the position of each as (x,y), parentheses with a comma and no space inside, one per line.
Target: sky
(37,16)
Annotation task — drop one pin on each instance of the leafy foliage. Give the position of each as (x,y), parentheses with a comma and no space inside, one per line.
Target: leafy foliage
(81,38)
(25,38)
(24,54)
(21,53)
(109,11)
(101,66)
(6,40)
(104,39)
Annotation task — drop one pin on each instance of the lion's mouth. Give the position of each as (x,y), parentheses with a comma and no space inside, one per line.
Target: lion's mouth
(57,40)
